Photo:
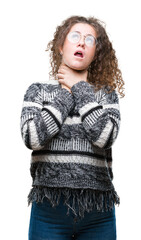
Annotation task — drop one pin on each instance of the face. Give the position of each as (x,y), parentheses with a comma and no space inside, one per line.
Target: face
(69,50)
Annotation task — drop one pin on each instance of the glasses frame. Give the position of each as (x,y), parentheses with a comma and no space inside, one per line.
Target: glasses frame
(95,39)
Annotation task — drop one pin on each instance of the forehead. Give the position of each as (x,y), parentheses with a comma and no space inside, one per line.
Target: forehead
(83,28)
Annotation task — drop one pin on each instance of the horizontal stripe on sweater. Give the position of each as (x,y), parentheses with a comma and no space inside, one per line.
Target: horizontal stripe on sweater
(80,146)
(71,157)
(57,175)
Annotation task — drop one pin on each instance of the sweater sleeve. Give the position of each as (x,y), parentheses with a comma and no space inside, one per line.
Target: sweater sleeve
(99,113)
(41,121)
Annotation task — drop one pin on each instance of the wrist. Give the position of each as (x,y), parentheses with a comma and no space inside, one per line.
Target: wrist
(67,88)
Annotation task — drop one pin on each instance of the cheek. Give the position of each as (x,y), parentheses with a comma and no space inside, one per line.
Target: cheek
(67,48)
(67,53)
(91,55)
(93,52)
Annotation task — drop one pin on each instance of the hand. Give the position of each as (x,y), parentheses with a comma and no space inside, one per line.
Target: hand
(64,86)
(68,77)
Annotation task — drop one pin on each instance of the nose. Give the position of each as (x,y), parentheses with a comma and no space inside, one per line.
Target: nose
(81,41)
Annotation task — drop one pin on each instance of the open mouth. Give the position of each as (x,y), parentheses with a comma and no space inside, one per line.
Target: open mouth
(78,54)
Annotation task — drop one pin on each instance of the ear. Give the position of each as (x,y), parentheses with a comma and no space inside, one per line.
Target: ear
(60,50)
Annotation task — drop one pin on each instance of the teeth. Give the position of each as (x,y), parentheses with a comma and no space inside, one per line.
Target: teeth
(80,53)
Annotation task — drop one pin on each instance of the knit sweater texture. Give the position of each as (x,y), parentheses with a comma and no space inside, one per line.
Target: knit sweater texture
(71,137)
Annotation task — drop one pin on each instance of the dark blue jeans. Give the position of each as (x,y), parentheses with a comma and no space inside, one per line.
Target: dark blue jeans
(49,223)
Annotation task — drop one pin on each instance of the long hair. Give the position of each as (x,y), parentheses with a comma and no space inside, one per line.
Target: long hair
(103,70)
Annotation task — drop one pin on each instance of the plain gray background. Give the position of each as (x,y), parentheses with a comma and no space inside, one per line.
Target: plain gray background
(26,28)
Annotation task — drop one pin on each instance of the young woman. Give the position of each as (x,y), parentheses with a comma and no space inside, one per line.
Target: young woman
(71,122)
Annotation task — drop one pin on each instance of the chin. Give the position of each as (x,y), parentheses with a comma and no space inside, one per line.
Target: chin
(77,67)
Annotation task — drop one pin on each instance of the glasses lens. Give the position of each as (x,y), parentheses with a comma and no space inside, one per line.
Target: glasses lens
(73,37)
(89,40)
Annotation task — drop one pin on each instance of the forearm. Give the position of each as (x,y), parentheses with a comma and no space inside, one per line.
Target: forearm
(100,117)
(41,121)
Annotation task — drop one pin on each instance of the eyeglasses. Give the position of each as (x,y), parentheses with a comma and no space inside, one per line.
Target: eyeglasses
(75,37)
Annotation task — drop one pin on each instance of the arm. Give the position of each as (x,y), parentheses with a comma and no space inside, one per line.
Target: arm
(39,121)
(99,113)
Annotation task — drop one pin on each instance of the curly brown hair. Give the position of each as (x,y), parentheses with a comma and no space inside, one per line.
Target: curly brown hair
(103,70)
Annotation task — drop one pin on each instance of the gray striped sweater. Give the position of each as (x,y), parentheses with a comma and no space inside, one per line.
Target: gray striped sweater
(71,135)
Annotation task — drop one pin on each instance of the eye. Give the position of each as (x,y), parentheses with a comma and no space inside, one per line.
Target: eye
(73,37)
(89,40)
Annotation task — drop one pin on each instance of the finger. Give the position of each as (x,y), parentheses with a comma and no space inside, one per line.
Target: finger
(60,76)
(61,81)
(61,70)
(63,64)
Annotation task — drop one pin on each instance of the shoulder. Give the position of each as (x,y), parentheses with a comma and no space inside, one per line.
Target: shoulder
(106,96)
(36,89)
(46,85)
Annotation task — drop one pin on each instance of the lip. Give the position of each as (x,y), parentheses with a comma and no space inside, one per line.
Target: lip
(80,52)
